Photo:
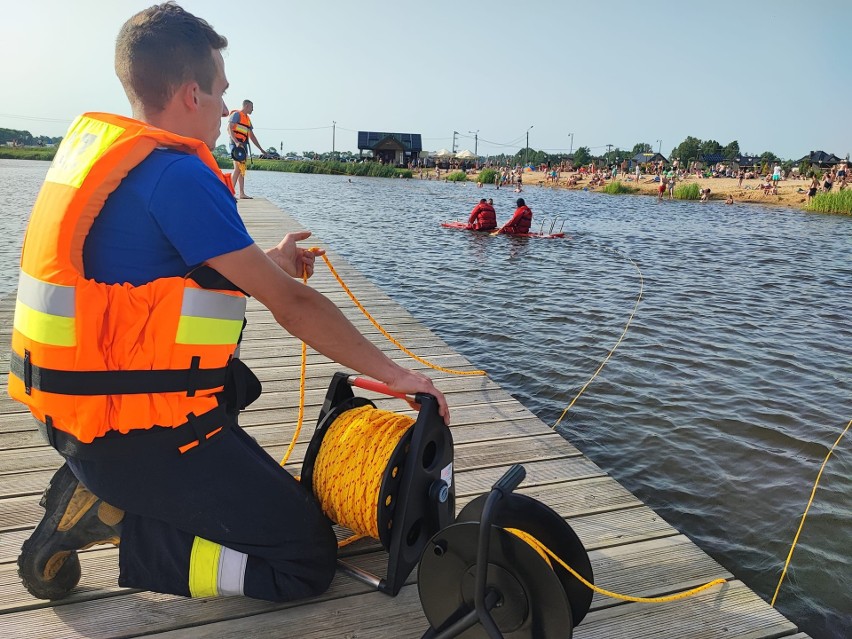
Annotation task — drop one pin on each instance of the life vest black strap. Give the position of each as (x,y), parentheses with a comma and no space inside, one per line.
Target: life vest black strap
(88,383)
(209,278)
(136,443)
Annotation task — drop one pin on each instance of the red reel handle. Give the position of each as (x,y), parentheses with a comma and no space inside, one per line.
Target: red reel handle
(378,387)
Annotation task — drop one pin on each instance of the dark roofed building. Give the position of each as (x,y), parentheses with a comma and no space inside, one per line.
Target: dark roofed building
(747,161)
(821,158)
(391,148)
(648,156)
(713,158)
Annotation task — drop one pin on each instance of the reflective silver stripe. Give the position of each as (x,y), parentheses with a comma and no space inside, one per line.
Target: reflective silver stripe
(51,299)
(232,572)
(201,303)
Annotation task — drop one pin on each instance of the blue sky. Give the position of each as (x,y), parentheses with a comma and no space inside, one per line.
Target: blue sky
(774,75)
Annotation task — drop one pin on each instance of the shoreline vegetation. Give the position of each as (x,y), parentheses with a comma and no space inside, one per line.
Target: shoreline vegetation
(791,192)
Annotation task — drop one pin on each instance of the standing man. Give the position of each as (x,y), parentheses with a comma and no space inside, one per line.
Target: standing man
(132,291)
(241,131)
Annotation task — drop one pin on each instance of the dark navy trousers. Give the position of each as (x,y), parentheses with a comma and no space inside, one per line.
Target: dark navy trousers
(228,491)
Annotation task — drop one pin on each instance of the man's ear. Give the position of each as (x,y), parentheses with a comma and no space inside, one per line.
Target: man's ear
(190,95)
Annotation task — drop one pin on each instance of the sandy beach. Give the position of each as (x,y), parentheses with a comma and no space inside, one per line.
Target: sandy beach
(791,192)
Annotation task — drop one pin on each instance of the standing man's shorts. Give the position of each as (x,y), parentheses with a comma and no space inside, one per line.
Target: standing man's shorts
(240,166)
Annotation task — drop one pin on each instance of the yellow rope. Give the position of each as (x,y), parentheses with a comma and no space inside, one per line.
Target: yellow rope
(623,333)
(388,335)
(546,552)
(301,416)
(348,471)
(805,514)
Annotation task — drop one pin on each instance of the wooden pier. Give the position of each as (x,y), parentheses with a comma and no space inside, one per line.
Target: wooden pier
(632,550)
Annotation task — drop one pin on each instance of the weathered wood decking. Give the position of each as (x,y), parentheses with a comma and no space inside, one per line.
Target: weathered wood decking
(631,548)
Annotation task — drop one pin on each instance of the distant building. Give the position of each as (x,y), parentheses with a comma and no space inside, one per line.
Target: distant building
(821,159)
(747,162)
(391,148)
(648,156)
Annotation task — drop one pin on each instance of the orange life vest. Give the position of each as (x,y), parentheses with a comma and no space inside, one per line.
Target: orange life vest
(87,357)
(242,129)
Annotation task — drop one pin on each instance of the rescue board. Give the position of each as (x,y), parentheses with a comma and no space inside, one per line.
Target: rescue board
(462,226)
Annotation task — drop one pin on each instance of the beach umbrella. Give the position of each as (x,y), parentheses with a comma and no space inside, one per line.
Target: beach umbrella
(465,155)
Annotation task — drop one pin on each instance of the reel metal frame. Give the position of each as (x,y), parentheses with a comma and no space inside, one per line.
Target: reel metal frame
(477,578)
(417,495)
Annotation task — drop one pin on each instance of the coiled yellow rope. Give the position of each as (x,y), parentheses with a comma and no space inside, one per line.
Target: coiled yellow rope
(546,552)
(348,470)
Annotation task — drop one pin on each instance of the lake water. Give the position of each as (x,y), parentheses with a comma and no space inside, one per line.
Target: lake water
(717,409)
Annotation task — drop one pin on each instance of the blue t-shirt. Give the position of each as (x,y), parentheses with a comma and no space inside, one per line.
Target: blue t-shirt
(168,216)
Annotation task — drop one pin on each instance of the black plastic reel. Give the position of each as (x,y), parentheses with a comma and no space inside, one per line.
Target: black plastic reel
(530,600)
(544,524)
(417,496)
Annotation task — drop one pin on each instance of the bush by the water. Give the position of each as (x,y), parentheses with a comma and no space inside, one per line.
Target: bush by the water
(486,176)
(27,153)
(363,169)
(616,188)
(457,176)
(840,202)
(687,192)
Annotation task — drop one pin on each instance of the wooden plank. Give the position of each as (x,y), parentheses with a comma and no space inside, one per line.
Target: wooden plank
(638,570)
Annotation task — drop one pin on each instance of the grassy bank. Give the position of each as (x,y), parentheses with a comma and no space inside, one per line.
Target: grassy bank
(365,169)
(27,153)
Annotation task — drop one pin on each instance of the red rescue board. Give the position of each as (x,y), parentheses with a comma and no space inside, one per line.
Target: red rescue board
(463,227)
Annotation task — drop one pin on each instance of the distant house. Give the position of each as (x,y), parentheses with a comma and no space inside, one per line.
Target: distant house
(747,162)
(821,159)
(648,156)
(713,158)
(391,148)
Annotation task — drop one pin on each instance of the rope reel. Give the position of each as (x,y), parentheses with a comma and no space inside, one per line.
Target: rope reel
(382,475)
(487,576)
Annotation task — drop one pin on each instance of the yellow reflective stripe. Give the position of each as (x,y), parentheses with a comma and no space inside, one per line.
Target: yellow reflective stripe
(204,568)
(205,330)
(52,330)
(85,142)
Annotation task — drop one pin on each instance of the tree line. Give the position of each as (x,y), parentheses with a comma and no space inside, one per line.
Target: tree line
(690,149)
(25,138)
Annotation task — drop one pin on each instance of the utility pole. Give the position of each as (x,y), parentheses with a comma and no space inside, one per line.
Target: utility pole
(571,149)
(475,142)
(333,132)
(455,133)
(526,150)
(660,148)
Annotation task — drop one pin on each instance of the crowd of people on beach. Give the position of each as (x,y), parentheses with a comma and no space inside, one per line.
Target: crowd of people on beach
(665,176)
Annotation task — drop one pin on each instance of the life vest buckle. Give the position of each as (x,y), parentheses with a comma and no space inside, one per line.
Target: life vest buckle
(28,373)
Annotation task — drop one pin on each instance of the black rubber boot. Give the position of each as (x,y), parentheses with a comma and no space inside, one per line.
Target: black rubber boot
(74,519)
